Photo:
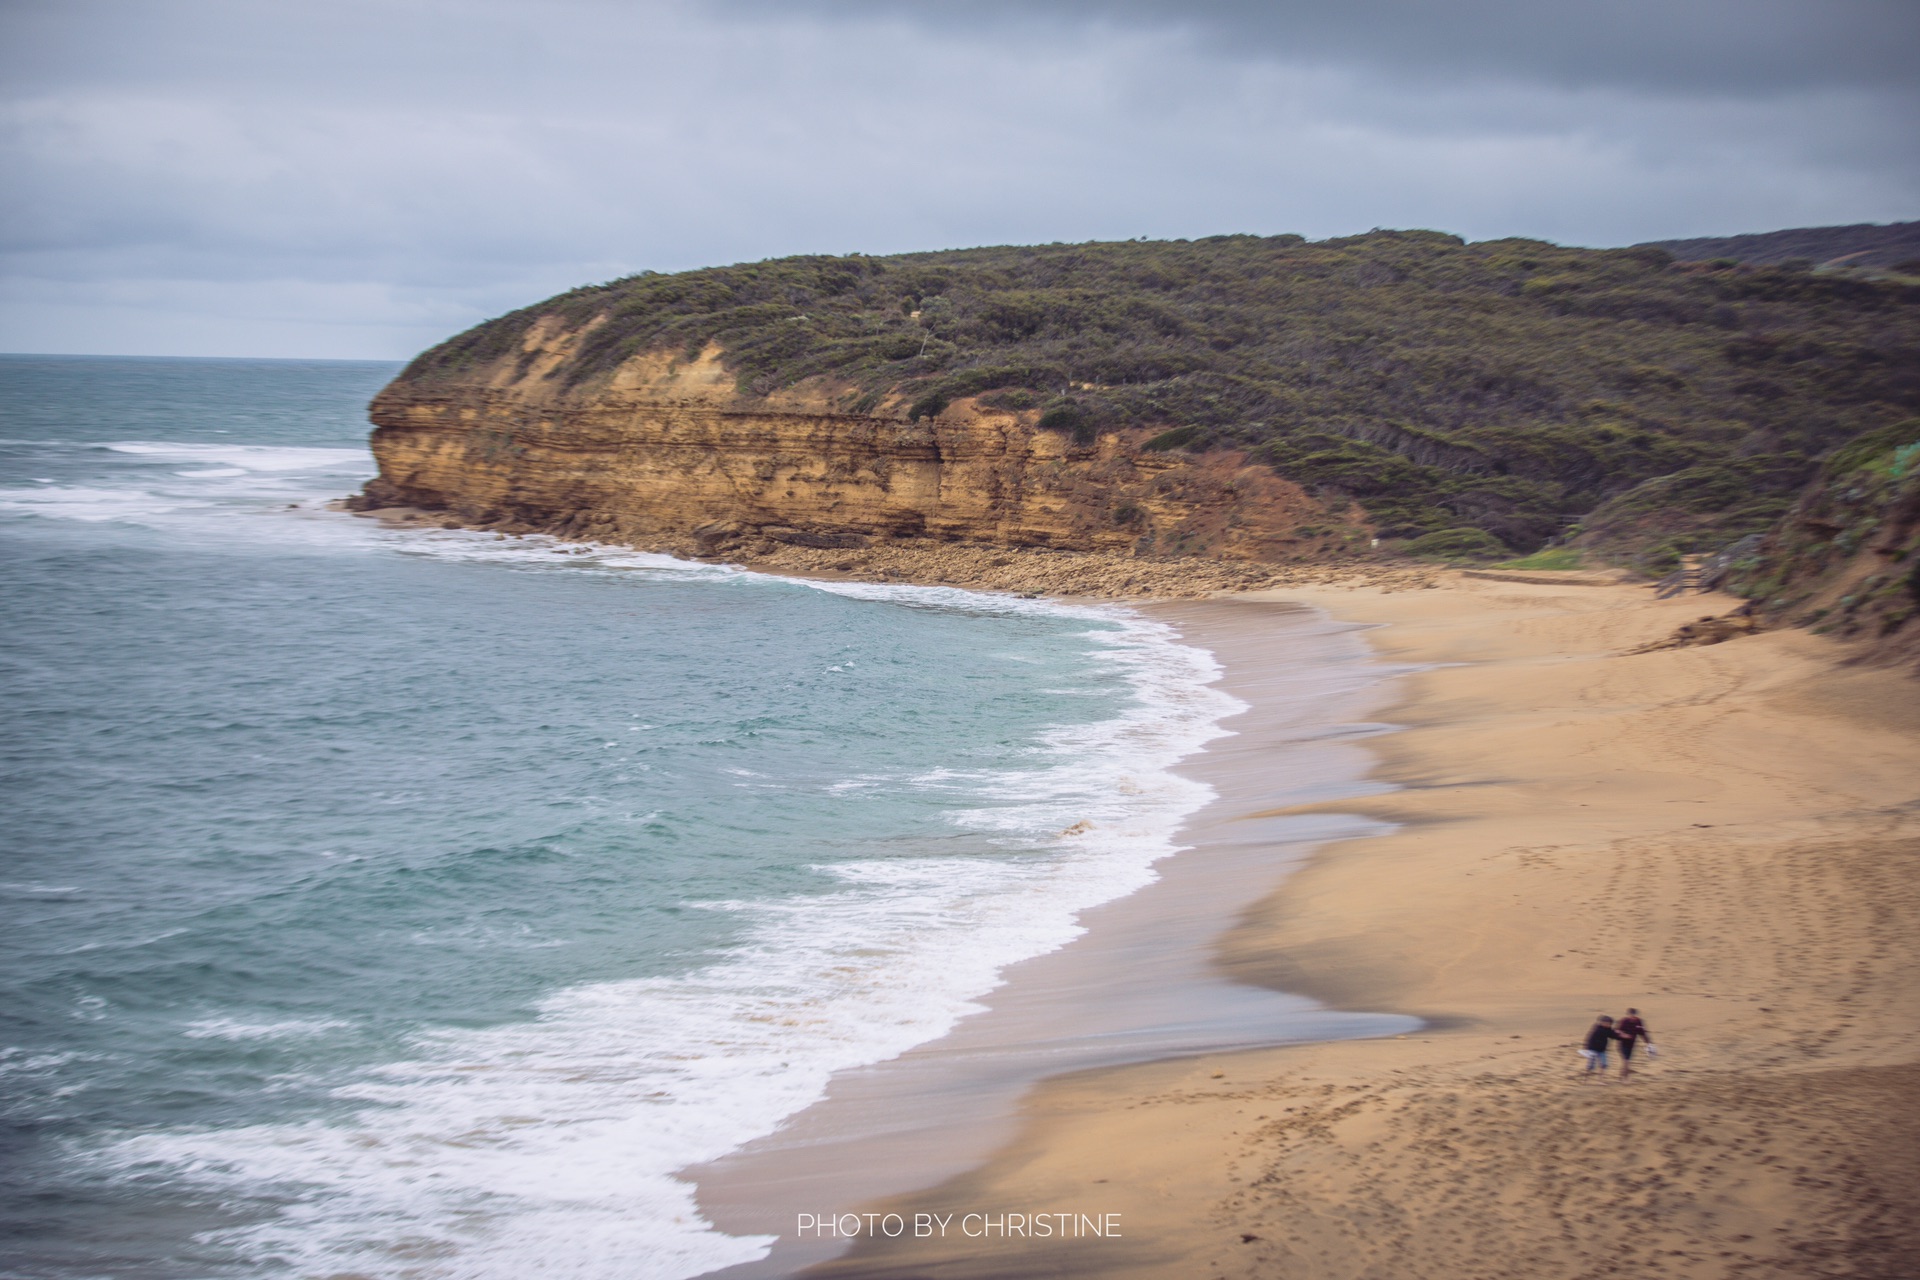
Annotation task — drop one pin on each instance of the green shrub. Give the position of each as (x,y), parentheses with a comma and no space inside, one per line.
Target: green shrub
(1462,544)
(1178,438)
(930,405)
(1546,558)
(1072,418)
(1888,443)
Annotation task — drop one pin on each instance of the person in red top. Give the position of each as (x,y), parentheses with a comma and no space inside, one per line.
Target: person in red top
(1630,1030)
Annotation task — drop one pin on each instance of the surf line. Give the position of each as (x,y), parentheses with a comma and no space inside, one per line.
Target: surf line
(1140,983)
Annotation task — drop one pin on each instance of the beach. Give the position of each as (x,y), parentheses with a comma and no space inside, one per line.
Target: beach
(1139,983)
(1722,836)
(1241,934)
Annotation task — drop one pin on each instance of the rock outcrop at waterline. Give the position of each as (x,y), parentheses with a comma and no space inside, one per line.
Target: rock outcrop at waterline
(666,453)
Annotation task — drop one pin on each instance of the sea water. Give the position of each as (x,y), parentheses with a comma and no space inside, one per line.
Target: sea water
(396,902)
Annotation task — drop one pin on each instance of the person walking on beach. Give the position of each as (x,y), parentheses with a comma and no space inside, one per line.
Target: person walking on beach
(1599,1036)
(1629,1030)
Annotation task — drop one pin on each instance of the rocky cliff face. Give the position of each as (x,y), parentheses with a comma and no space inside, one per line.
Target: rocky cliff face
(666,453)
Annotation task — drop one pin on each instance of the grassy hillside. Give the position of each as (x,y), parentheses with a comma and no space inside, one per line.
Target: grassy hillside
(1846,559)
(1863,244)
(1512,387)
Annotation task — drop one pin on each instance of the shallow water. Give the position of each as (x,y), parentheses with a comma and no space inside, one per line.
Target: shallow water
(419,902)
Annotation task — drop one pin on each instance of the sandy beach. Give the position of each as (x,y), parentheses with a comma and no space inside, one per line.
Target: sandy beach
(1726,837)
(1141,983)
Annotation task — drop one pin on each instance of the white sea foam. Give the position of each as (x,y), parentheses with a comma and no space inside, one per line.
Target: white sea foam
(543,552)
(286,494)
(119,944)
(234,1029)
(14,1060)
(242,459)
(179,484)
(95,504)
(550,1146)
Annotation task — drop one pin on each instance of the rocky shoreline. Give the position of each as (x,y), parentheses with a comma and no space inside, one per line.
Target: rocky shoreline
(1032,571)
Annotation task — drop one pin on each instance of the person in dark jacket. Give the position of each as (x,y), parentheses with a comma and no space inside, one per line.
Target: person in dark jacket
(1629,1031)
(1599,1036)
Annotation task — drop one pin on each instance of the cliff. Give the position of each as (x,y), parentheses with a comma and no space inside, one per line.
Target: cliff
(667,453)
(1234,400)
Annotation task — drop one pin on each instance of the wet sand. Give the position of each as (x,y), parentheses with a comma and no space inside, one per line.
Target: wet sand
(1727,837)
(1141,984)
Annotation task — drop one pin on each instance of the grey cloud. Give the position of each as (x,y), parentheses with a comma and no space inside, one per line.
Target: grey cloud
(1749,47)
(367,176)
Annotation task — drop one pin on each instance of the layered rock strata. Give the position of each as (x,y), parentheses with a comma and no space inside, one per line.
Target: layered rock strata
(667,454)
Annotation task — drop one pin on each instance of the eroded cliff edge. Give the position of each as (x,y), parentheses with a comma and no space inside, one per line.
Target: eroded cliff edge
(667,453)
(1189,415)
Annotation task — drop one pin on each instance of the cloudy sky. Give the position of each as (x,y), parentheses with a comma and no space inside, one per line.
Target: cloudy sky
(360,178)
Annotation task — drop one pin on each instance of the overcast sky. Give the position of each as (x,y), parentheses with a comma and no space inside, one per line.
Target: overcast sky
(361,178)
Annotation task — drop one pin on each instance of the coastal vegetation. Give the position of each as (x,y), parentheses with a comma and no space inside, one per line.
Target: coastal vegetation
(1895,246)
(1480,401)
(1845,560)
(1551,558)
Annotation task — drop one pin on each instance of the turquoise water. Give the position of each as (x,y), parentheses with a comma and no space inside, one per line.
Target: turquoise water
(416,903)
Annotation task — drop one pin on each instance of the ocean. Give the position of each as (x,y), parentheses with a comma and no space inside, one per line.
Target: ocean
(399,902)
